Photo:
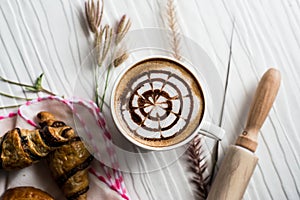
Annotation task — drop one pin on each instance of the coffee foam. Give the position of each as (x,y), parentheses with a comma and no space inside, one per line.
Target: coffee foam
(158,102)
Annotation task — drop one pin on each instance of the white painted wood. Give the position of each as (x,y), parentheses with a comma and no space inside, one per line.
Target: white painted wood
(52,37)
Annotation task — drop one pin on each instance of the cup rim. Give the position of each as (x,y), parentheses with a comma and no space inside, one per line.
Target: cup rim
(163,148)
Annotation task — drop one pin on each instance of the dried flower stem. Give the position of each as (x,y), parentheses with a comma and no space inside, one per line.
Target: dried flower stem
(13,82)
(173,26)
(37,87)
(12,106)
(97,86)
(121,31)
(105,86)
(107,42)
(118,58)
(198,167)
(48,92)
(104,43)
(215,154)
(14,97)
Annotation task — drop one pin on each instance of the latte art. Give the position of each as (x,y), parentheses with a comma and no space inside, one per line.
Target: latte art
(157,105)
(158,102)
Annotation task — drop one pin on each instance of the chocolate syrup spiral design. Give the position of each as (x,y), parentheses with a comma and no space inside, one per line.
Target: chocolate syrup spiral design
(157,104)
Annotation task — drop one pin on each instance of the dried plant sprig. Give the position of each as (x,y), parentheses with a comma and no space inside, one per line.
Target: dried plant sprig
(105,86)
(215,154)
(36,87)
(94,14)
(120,57)
(107,40)
(14,97)
(174,30)
(11,106)
(198,167)
(103,43)
(122,28)
(121,31)
(196,157)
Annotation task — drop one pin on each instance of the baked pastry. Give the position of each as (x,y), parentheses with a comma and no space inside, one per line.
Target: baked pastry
(26,193)
(68,163)
(20,148)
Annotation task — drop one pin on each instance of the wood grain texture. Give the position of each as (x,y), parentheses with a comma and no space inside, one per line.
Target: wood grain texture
(234,175)
(262,102)
(52,37)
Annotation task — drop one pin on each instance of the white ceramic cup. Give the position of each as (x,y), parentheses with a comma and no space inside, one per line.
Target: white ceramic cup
(139,135)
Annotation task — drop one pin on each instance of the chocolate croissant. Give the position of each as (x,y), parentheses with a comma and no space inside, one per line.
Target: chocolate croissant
(31,193)
(20,148)
(69,163)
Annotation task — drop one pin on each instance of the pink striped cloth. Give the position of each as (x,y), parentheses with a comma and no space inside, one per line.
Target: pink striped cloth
(106,180)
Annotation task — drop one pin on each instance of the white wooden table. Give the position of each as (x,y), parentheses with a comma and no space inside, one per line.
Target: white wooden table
(52,37)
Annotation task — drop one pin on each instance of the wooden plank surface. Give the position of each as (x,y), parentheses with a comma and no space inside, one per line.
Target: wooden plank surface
(52,37)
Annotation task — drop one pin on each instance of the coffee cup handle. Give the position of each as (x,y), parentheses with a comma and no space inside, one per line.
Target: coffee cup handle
(211,130)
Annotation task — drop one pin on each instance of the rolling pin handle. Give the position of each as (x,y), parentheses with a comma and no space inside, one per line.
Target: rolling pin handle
(263,100)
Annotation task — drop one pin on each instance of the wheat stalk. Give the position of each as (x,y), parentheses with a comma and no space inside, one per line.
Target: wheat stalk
(122,29)
(173,26)
(105,42)
(196,159)
(198,166)
(121,56)
(94,14)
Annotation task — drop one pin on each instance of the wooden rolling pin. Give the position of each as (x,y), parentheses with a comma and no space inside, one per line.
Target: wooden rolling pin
(239,163)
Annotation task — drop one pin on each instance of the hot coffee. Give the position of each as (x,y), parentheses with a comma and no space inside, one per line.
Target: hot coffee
(158,102)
